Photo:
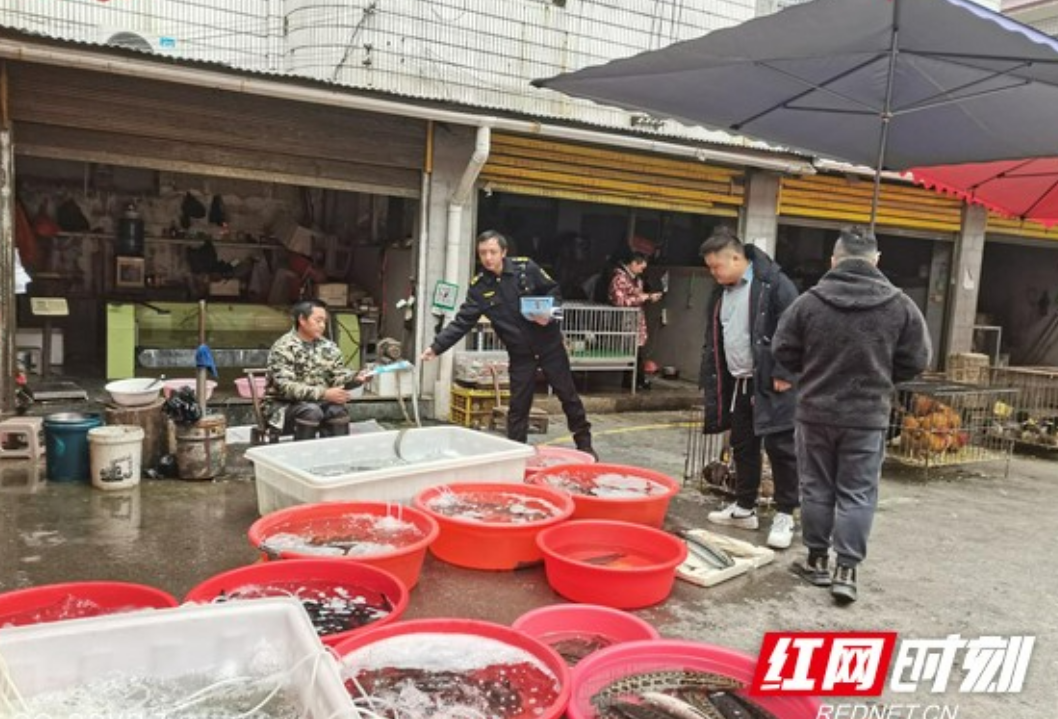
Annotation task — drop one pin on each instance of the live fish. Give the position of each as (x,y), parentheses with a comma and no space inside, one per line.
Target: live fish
(734,706)
(676,708)
(664,681)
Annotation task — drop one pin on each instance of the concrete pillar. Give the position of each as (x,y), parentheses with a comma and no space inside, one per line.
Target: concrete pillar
(7,269)
(760,220)
(453,146)
(966,279)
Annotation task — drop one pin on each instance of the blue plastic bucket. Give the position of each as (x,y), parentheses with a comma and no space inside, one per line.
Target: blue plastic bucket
(66,443)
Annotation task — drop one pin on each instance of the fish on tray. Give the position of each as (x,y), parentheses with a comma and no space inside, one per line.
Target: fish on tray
(676,694)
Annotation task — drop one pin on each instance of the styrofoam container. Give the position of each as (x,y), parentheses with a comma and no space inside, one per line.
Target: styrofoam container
(326,470)
(169,643)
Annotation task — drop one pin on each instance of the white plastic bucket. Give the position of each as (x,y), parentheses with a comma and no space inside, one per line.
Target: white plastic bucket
(115,455)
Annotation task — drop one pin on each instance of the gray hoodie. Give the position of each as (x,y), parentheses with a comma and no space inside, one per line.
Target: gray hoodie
(850,339)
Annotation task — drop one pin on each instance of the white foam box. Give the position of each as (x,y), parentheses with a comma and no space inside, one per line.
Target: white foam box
(166,643)
(312,471)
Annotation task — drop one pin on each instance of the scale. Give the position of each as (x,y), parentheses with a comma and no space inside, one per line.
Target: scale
(46,308)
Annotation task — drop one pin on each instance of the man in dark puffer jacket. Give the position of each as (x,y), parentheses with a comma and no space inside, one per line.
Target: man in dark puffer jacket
(851,338)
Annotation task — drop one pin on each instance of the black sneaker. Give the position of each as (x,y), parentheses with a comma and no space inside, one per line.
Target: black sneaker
(589,450)
(813,570)
(843,587)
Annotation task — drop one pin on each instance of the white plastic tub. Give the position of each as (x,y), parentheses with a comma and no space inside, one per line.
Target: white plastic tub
(332,469)
(175,642)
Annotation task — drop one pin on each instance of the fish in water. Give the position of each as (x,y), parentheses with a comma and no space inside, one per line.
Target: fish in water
(671,682)
(735,706)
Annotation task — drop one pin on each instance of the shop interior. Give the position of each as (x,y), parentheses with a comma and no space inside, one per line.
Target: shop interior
(133,250)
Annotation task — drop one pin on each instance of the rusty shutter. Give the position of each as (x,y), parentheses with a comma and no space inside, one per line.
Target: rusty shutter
(94,117)
(846,200)
(533,166)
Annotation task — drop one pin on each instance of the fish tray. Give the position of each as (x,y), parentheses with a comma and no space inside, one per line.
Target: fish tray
(385,466)
(169,643)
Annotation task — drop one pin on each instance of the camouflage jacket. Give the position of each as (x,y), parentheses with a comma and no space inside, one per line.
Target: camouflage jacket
(300,371)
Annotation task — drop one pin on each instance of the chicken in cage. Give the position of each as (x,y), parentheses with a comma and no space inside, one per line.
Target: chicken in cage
(940,424)
(1033,420)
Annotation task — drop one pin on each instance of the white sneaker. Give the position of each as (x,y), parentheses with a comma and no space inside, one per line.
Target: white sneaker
(734,516)
(782,529)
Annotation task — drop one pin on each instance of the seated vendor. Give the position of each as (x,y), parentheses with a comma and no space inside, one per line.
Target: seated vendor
(308,384)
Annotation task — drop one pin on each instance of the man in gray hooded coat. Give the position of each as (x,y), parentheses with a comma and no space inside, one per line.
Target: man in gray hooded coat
(850,338)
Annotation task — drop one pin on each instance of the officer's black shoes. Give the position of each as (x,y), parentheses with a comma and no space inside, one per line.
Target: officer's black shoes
(814,570)
(589,450)
(843,588)
(303,431)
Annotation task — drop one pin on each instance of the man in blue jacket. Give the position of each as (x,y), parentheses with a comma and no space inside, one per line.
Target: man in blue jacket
(744,389)
(850,339)
(496,292)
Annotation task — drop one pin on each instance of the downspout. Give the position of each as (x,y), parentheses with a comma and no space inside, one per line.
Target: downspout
(7,251)
(460,197)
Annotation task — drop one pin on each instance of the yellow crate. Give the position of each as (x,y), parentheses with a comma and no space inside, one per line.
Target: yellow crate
(472,420)
(472,401)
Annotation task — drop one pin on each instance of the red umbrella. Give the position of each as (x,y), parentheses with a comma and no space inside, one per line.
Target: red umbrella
(1026,189)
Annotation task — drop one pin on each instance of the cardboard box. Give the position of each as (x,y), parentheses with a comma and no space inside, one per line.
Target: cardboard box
(334,294)
(224,288)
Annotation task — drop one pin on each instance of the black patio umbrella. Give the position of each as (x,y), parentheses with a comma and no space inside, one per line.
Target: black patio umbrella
(890,84)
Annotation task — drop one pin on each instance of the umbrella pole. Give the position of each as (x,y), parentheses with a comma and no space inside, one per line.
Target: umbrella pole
(200,372)
(887,111)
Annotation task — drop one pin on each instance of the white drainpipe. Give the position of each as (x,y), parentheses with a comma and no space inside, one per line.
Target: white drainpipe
(459,199)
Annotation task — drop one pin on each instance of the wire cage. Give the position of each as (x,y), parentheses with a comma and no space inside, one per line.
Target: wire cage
(597,337)
(937,423)
(1032,421)
(708,464)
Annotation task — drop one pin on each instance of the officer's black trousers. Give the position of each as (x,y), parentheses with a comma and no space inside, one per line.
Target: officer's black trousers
(554,362)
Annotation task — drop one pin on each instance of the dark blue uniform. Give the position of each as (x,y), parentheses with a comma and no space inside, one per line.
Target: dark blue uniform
(529,345)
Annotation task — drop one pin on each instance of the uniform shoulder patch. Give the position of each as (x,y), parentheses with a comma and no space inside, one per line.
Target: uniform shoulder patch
(474,279)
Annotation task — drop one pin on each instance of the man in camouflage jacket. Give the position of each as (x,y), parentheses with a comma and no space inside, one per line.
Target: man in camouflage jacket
(308,383)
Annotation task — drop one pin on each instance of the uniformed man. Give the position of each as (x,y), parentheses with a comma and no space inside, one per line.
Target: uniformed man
(496,292)
(308,383)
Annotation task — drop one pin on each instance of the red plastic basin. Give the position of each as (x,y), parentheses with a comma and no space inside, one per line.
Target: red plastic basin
(487,543)
(553,457)
(75,600)
(646,509)
(475,629)
(616,564)
(302,577)
(609,665)
(330,521)
(574,630)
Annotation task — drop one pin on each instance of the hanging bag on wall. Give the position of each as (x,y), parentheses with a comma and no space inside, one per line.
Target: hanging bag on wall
(217,213)
(71,218)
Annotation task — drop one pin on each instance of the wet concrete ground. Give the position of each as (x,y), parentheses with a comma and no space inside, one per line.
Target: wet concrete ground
(970,553)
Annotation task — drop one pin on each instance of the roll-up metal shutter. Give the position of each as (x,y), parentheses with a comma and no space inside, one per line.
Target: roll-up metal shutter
(1020,228)
(93,117)
(838,199)
(532,166)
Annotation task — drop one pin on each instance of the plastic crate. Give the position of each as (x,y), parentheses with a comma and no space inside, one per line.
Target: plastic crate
(342,468)
(221,638)
(470,401)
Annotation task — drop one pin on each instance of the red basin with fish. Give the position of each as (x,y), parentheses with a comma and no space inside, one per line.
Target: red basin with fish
(553,457)
(342,598)
(623,661)
(616,564)
(613,491)
(77,600)
(577,630)
(455,663)
(389,536)
(492,526)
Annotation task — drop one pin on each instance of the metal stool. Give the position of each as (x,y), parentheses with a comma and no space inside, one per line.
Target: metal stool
(30,442)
